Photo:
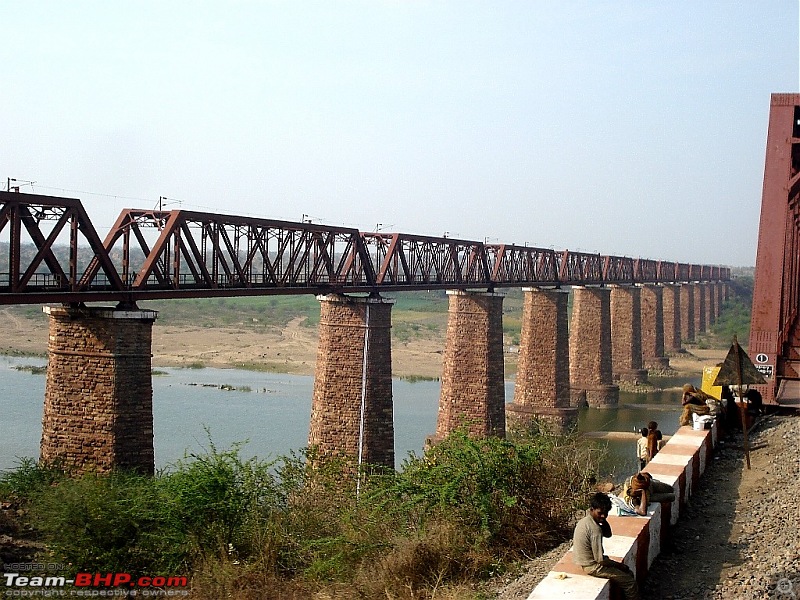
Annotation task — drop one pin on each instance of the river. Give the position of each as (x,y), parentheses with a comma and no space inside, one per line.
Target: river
(273,416)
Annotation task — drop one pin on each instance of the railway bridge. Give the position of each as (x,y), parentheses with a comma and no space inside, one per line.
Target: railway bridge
(627,315)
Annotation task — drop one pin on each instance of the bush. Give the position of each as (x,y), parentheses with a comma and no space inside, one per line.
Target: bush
(303,525)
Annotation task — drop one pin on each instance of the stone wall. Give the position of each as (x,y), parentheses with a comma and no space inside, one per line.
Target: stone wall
(98,408)
(638,540)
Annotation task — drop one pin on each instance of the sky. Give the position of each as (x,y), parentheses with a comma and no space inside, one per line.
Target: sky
(627,128)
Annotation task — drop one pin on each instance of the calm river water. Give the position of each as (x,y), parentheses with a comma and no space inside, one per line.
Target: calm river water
(273,417)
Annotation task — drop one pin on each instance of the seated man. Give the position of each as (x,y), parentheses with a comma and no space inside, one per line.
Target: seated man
(587,550)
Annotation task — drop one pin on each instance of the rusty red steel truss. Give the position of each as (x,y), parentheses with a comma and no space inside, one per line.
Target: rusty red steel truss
(151,254)
(775,331)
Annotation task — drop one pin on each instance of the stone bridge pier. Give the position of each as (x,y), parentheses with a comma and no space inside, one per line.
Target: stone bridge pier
(352,407)
(473,382)
(626,334)
(700,322)
(542,385)
(672,318)
(652,313)
(590,361)
(98,406)
(710,292)
(687,312)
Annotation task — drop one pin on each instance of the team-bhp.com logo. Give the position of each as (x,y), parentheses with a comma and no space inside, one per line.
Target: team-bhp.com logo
(101,582)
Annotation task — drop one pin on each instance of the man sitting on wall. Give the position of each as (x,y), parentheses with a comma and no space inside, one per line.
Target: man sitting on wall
(587,550)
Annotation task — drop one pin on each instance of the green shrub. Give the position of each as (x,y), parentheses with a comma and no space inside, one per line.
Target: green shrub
(119,522)
(244,528)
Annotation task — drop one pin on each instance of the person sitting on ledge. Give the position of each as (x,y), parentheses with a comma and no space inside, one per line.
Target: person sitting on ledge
(694,402)
(641,489)
(587,548)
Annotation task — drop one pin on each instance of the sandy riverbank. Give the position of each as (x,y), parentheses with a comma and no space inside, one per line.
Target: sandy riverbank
(292,349)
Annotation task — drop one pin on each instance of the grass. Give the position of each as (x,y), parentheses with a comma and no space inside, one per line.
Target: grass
(298,527)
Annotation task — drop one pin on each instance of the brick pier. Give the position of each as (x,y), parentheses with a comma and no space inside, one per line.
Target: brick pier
(98,404)
(351,407)
(626,334)
(542,385)
(672,317)
(687,312)
(652,301)
(591,377)
(699,308)
(473,386)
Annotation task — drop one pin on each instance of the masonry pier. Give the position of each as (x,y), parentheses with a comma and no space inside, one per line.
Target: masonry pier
(591,377)
(542,385)
(351,407)
(473,383)
(98,404)
(687,312)
(626,334)
(699,308)
(710,297)
(652,313)
(672,318)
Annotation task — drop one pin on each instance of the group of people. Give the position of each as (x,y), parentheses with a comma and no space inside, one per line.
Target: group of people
(649,444)
(641,489)
(638,491)
(697,402)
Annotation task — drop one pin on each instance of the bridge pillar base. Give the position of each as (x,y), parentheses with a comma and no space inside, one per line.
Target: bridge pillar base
(556,420)
(601,396)
(473,385)
(98,407)
(657,363)
(352,408)
(632,376)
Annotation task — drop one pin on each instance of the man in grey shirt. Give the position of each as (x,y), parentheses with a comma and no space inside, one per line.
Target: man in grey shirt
(587,548)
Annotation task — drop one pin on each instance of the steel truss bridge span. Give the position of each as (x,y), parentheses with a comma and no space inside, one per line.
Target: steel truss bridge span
(54,254)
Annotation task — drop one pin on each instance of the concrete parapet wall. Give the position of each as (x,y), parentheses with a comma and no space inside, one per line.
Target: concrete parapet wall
(636,540)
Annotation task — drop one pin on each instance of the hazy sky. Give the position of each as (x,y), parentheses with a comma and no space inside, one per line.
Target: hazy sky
(631,128)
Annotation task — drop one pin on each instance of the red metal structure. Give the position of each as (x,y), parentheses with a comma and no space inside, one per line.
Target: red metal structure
(774,338)
(152,254)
